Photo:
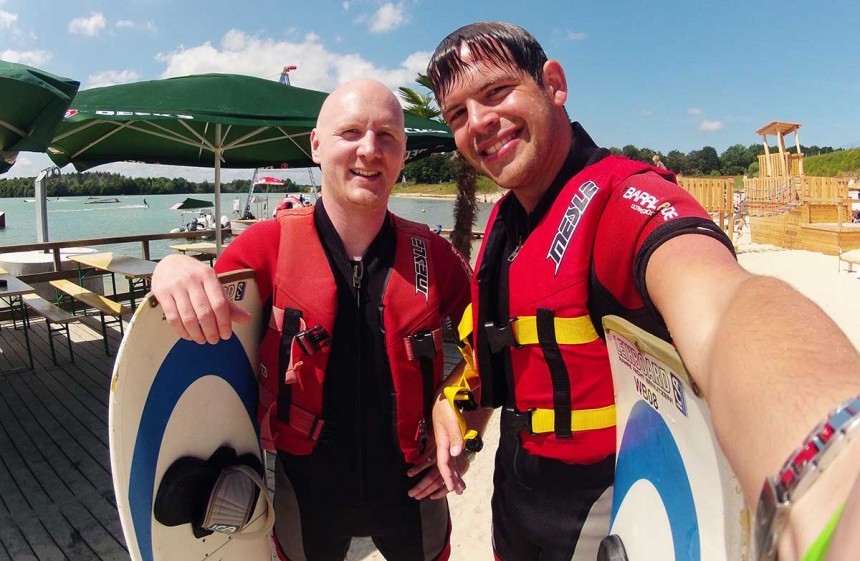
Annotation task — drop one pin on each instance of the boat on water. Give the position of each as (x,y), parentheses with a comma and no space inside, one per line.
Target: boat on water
(244,219)
(196,215)
(106,200)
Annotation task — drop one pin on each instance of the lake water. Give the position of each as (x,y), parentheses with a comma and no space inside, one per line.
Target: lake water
(71,218)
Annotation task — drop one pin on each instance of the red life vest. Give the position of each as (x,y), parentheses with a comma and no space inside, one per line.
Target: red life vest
(562,383)
(295,349)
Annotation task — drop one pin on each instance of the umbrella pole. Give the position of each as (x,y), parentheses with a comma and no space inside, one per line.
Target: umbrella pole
(218,151)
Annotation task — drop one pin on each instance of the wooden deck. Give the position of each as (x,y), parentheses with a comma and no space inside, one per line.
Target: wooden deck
(56,492)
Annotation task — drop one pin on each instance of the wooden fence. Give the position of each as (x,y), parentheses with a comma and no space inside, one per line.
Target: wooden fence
(716,195)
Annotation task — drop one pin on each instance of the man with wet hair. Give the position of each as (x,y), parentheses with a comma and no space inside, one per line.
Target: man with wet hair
(583,234)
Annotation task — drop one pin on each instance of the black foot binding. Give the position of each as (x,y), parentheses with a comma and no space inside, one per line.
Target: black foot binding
(612,549)
(214,495)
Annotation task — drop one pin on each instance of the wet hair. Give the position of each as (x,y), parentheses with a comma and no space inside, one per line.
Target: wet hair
(494,42)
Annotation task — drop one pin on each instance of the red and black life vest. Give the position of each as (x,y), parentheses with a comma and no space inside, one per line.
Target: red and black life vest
(562,384)
(295,349)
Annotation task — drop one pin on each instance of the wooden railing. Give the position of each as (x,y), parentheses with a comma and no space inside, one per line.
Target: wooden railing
(768,196)
(780,166)
(55,247)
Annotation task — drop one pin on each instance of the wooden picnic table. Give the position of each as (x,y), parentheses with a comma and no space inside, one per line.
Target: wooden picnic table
(137,271)
(13,294)
(198,247)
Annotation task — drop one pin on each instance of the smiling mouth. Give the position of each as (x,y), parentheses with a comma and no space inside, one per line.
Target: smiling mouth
(365,173)
(498,145)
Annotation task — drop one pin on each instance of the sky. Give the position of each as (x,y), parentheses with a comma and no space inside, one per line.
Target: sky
(672,75)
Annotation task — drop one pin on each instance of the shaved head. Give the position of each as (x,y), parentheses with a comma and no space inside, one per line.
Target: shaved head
(361,91)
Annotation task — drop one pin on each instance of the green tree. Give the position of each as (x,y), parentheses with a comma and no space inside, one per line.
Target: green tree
(676,161)
(418,104)
(465,206)
(736,160)
(709,159)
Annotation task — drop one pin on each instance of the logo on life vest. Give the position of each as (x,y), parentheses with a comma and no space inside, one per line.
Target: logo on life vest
(422,278)
(580,201)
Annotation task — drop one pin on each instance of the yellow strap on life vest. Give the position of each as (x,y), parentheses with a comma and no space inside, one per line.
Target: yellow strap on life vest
(459,393)
(543,420)
(568,331)
(464,331)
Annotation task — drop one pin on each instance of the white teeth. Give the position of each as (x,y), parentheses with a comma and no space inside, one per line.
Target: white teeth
(498,145)
(365,173)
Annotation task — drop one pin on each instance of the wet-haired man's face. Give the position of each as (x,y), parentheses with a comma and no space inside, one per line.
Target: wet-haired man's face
(504,124)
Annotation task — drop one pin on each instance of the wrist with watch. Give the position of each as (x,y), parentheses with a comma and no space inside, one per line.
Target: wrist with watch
(798,473)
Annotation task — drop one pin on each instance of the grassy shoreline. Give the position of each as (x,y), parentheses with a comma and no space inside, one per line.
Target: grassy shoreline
(485,190)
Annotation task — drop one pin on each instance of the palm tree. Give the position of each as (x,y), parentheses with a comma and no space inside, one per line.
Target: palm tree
(465,205)
(418,104)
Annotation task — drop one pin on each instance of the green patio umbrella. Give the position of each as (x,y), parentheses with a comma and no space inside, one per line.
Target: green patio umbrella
(32,104)
(209,120)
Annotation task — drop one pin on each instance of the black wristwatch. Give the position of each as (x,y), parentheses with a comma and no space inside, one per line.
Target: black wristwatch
(797,474)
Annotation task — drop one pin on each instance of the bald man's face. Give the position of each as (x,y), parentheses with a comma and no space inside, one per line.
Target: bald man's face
(360,145)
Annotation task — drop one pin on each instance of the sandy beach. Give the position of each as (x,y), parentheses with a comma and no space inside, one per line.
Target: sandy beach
(481,197)
(815,275)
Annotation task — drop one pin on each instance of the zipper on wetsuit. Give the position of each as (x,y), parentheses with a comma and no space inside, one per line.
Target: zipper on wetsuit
(516,250)
(357,277)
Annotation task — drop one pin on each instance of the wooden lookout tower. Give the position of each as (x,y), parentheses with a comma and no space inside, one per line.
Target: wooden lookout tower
(789,209)
(783,163)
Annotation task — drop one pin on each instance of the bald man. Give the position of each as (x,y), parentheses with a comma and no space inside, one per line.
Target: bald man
(357,297)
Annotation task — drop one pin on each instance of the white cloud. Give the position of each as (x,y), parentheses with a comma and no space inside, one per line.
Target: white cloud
(32,58)
(647,113)
(576,36)
(318,67)
(346,6)
(111,77)
(7,19)
(89,26)
(124,23)
(388,17)
(710,126)
(694,111)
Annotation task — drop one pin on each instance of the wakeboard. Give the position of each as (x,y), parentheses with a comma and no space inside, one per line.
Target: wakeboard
(173,400)
(676,497)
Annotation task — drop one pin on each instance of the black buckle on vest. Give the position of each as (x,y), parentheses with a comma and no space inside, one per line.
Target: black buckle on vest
(449,332)
(519,421)
(313,339)
(422,344)
(500,336)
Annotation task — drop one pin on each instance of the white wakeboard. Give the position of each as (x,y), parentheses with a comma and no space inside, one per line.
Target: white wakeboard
(172,398)
(675,497)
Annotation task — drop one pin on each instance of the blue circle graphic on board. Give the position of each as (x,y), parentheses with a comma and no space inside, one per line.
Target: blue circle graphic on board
(648,451)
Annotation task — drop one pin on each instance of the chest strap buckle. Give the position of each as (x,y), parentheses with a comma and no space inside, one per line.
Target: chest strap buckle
(423,344)
(517,421)
(313,339)
(501,336)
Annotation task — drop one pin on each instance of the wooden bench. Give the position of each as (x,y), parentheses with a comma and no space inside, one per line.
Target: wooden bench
(105,306)
(54,315)
(851,257)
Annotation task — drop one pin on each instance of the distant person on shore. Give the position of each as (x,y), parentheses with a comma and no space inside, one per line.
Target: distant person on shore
(352,357)
(658,163)
(582,234)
